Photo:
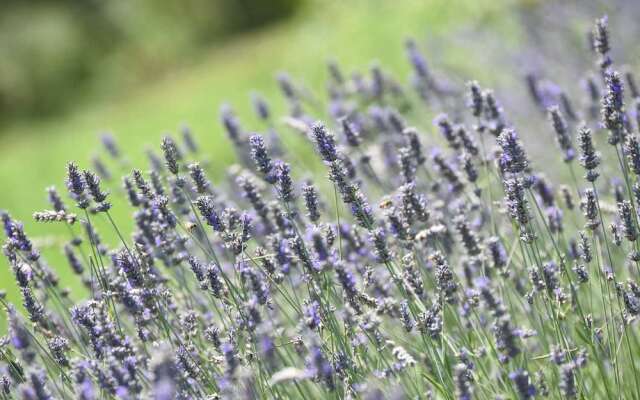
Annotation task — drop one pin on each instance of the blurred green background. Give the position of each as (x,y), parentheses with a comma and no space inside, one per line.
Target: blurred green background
(70,70)
(54,52)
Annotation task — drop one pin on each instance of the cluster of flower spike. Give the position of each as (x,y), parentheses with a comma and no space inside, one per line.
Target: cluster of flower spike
(403,269)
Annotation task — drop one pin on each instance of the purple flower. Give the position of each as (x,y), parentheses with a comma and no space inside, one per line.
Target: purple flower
(76,185)
(312,315)
(260,155)
(513,158)
(325,142)
(171,154)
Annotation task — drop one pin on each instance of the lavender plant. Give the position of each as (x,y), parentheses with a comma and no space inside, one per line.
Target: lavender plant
(413,267)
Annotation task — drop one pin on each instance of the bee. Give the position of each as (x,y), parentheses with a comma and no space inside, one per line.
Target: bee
(385,203)
(190,226)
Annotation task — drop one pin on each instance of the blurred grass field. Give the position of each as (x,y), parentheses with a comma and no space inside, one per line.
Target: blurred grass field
(33,155)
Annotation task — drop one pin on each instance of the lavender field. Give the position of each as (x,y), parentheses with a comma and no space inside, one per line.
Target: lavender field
(372,236)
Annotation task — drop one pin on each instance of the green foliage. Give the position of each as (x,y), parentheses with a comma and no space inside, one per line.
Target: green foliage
(53,52)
